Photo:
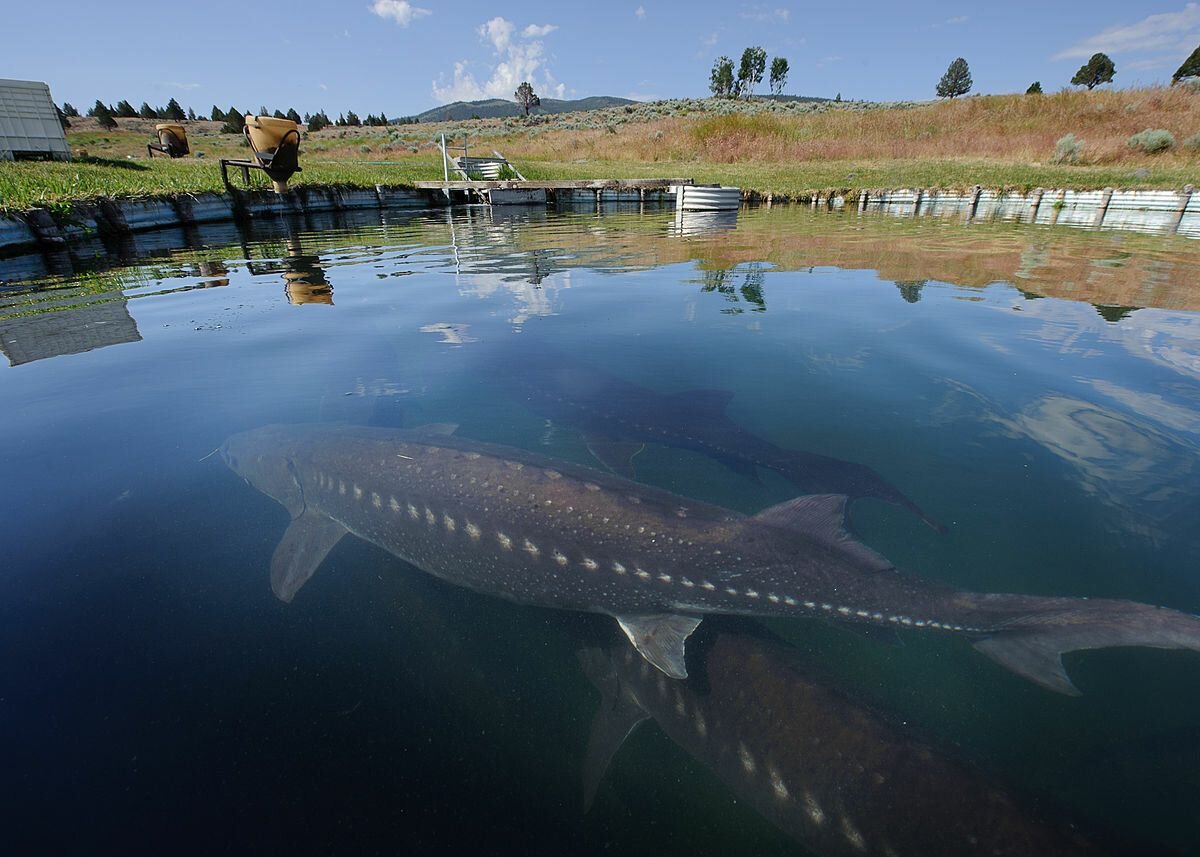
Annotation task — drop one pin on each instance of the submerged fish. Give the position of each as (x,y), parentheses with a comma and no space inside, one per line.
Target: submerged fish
(617,418)
(832,774)
(544,532)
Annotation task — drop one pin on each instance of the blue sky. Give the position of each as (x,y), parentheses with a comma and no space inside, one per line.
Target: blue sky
(404,56)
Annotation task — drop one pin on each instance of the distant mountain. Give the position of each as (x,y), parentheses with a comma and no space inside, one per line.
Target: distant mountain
(493,108)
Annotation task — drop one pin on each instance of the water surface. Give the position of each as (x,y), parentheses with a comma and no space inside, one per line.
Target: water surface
(1035,389)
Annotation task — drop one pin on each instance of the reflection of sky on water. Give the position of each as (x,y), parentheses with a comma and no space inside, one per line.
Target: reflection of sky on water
(529,299)
(1136,464)
(1169,339)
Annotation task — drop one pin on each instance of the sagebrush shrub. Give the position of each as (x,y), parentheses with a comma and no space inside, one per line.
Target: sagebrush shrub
(1067,150)
(1152,140)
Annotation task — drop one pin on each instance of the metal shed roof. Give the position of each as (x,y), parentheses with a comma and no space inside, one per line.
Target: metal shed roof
(29,124)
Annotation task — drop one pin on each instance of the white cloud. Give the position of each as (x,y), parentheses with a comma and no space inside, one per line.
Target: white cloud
(185,86)
(957,19)
(499,32)
(710,40)
(516,60)
(400,11)
(640,12)
(762,14)
(1168,31)
(324,88)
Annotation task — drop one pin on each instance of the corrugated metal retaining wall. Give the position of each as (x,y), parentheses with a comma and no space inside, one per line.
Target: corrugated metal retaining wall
(1159,211)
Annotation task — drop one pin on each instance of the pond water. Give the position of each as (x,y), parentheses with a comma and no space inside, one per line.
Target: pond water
(1033,391)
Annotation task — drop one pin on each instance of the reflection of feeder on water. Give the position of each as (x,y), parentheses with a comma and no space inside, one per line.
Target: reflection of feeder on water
(213,274)
(305,278)
(704,222)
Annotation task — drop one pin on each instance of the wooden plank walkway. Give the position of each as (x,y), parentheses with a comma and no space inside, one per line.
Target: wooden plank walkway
(552,185)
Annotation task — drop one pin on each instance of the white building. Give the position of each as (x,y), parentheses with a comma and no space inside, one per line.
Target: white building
(29,124)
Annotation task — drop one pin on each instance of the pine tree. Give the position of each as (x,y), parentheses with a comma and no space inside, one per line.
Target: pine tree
(174,111)
(69,110)
(217,114)
(1099,69)
(526,97)
(352,119)
(1190,67)
(234,121)
(720,81)
(295,117)
(278,114)
(956,81)
(124,109)
(1035,88)
(103,116)
(191,115)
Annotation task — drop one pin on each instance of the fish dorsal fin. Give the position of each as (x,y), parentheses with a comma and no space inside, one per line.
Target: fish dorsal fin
(619,714)
(712,402)
(659,638)
(304,546)
(822,518)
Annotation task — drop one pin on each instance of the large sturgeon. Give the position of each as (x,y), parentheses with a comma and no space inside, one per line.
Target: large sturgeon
(617,418)
(833,774)
(540,531)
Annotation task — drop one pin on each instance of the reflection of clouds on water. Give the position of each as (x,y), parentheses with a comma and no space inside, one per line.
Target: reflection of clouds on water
(1152,406)
(1136,464)
(454,334)
(532,300)
(1163,337)
(1121,460)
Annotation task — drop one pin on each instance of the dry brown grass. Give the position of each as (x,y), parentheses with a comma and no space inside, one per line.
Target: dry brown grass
(1011,128)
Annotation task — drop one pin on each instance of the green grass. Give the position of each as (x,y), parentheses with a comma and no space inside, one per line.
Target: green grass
(53,185)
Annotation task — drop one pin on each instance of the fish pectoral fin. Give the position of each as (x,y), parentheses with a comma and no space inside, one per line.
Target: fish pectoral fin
(308,540)
(1032,656)
(616,455)
(619,714)
(659,638)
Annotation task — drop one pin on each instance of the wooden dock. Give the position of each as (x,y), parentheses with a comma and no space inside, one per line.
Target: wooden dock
(524,191)
(556,184)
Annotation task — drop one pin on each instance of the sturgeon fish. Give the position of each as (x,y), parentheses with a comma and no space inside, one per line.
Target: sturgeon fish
(540,531)
(837,777)
(617,418)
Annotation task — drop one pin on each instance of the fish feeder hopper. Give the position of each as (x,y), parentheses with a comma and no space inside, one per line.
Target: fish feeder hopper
(276,147)
(172,141)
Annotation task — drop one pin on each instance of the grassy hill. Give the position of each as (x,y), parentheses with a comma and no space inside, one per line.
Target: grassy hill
(497,108)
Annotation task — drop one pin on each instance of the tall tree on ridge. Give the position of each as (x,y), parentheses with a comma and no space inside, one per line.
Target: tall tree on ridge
(526,97)
(779,73)
(956,81)
(1099,69)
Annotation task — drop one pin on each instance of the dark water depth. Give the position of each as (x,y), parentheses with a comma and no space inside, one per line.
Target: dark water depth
(1036,391)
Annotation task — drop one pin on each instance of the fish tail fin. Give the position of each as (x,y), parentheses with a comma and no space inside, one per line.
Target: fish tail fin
(619,714)
(1033,646)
